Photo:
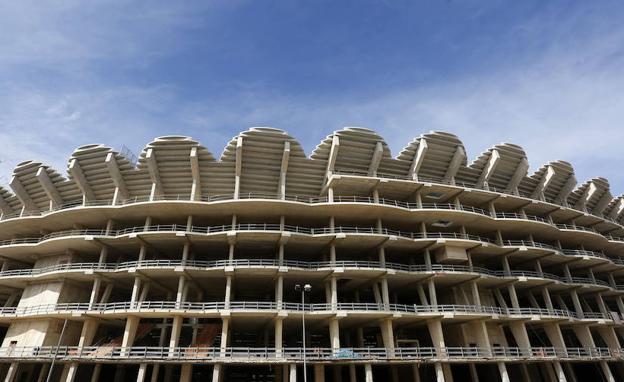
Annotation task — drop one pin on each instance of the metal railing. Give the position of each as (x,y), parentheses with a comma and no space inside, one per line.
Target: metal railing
(304,265)
(306,200)
(215,306)
(289,354)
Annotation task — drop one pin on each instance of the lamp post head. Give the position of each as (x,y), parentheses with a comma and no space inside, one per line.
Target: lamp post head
(307,288)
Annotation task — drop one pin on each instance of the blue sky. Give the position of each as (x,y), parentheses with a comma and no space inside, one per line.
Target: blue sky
(548,76)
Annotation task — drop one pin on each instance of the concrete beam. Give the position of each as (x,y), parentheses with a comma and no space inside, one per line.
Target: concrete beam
(418,159)
(489,168)
(618,209)
(152,168)
(543,184)
(81,181)
(49,187)
(333,155)
(239,166)
(281,188)
(456,161)
(196,186)
(115,174)
(375,160)
(5,209)
(565,190)
(602,203)
(521,171)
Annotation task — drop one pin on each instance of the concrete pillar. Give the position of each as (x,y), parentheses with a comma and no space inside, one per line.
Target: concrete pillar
(416,372)
(368,372)
(279,326)
(12,372)
(476,299)
(352,373)
(577,303)
(95,376)
(228,291)
(387,335)
(502,369)
(292,373)
(513,296)
(132,323)
(443,370)
(385,295)
(279,291)
(334,333)
(135,290)
(176,328)
(69,372)
(43,373)
(95,291)
(142,372)
(433,298)
(559,374)
(319,372)
(474,376)
(547,299)
(334,292)
(518,330)
(606,371)
(216,372)
(439,372)
(186,372)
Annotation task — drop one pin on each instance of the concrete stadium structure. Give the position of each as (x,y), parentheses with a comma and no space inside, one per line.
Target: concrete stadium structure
(422,267)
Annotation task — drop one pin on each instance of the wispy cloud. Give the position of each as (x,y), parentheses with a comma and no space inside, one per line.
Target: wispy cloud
(559,95)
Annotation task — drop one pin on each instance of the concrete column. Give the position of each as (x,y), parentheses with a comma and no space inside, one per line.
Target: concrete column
(95,291)
(132,323)
(518,330)
(334,292)
(319,372)
(547,299)
(502,369)
(12,372)
(474,376)
(334,333)
(293,373)
(513,296)
(352,373)
(279,325)
(368,372)
(416,373)
(225,333)
(135,290)
(142,372)
(476,299)
(385,295)
(176,328)
(439,372)
(95,376)
(577,303)
(433,298)
(186,372)
(559,374)
(427,256)
(604,366)
(421,294)
(69,372)
(228,291)
(387,334)
(443,370)
(43,372)
(216,372)
(554,335)
(279,291)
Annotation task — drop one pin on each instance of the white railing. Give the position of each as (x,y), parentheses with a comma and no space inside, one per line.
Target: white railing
(215,306)
(311,266)
(306,200)
(267,354)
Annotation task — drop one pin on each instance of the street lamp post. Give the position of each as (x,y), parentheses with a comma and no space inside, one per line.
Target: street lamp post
(306,288)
